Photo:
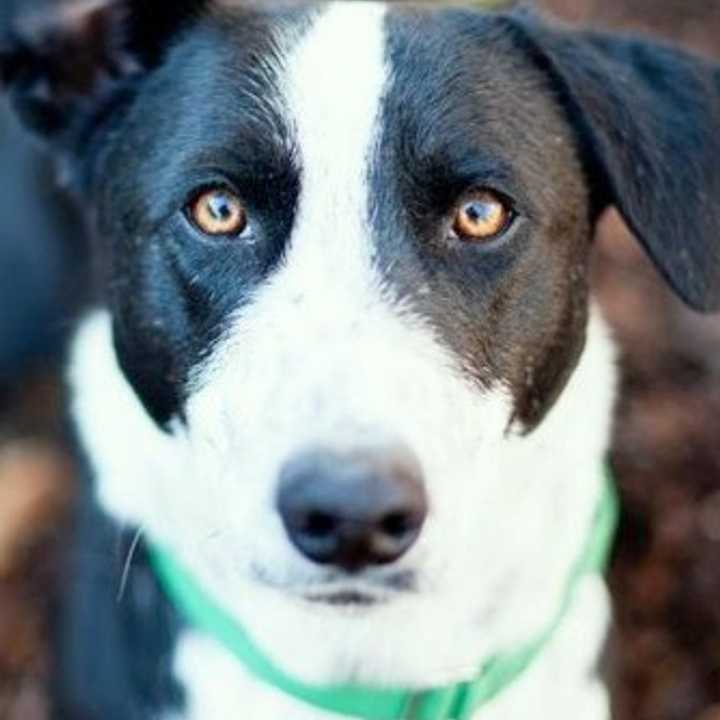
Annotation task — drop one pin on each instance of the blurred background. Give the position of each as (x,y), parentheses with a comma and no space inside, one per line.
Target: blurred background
(666,571)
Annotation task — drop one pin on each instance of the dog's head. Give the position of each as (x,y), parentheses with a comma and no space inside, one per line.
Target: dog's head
(345,251)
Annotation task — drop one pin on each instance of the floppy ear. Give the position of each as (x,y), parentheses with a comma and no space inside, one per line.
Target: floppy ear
(63,65)
(648,119)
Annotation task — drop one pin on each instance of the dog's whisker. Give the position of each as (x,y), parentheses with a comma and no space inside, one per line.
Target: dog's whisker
(128,564)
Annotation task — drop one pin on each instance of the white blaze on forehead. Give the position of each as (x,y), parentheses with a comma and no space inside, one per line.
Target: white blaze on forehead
(334,83)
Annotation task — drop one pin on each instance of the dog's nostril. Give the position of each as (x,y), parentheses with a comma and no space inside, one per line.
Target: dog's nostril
(397,524)
(352,510)
(319,524)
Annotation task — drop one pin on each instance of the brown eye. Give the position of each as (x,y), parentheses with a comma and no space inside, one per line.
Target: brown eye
(218,212)
(482,215)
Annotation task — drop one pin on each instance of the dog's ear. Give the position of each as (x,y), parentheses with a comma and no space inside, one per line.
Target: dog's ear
(64,63)
(648,120)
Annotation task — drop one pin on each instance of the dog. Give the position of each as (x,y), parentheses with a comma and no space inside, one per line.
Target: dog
(345,386)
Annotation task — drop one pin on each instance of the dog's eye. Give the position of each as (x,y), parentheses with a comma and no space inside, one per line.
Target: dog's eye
(481,215)
(217,212)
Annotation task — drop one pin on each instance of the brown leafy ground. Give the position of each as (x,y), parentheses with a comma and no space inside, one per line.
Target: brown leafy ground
(666,573)
(36,483)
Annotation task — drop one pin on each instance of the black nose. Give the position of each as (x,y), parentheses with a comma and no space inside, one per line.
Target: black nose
(352,509)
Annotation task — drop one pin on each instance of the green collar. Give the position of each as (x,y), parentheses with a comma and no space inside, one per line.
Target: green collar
(456,702)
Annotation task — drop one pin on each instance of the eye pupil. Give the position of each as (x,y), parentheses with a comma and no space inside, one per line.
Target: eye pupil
(479,212)
(219,207)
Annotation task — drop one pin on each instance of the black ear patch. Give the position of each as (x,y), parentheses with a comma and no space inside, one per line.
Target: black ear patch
(57,63)
(648,119)
(61,64)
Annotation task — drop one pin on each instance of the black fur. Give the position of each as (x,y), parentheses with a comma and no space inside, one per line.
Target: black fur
(62,64)
(172,291)
(480,117)
(171,294)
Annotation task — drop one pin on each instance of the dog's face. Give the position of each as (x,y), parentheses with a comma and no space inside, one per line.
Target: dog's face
(349,315)
(346,250)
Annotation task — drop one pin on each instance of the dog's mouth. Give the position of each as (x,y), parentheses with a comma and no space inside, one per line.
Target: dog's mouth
(346,599)
(361,594)
(340,591)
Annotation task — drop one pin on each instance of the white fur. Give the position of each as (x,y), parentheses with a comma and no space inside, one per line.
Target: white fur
(325,355)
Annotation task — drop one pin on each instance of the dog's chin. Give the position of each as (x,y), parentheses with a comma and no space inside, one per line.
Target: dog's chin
(359,630)
(327,631)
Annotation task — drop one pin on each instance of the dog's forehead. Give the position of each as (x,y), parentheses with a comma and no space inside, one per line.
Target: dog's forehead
(458,82)
(455,73)
(330,46)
